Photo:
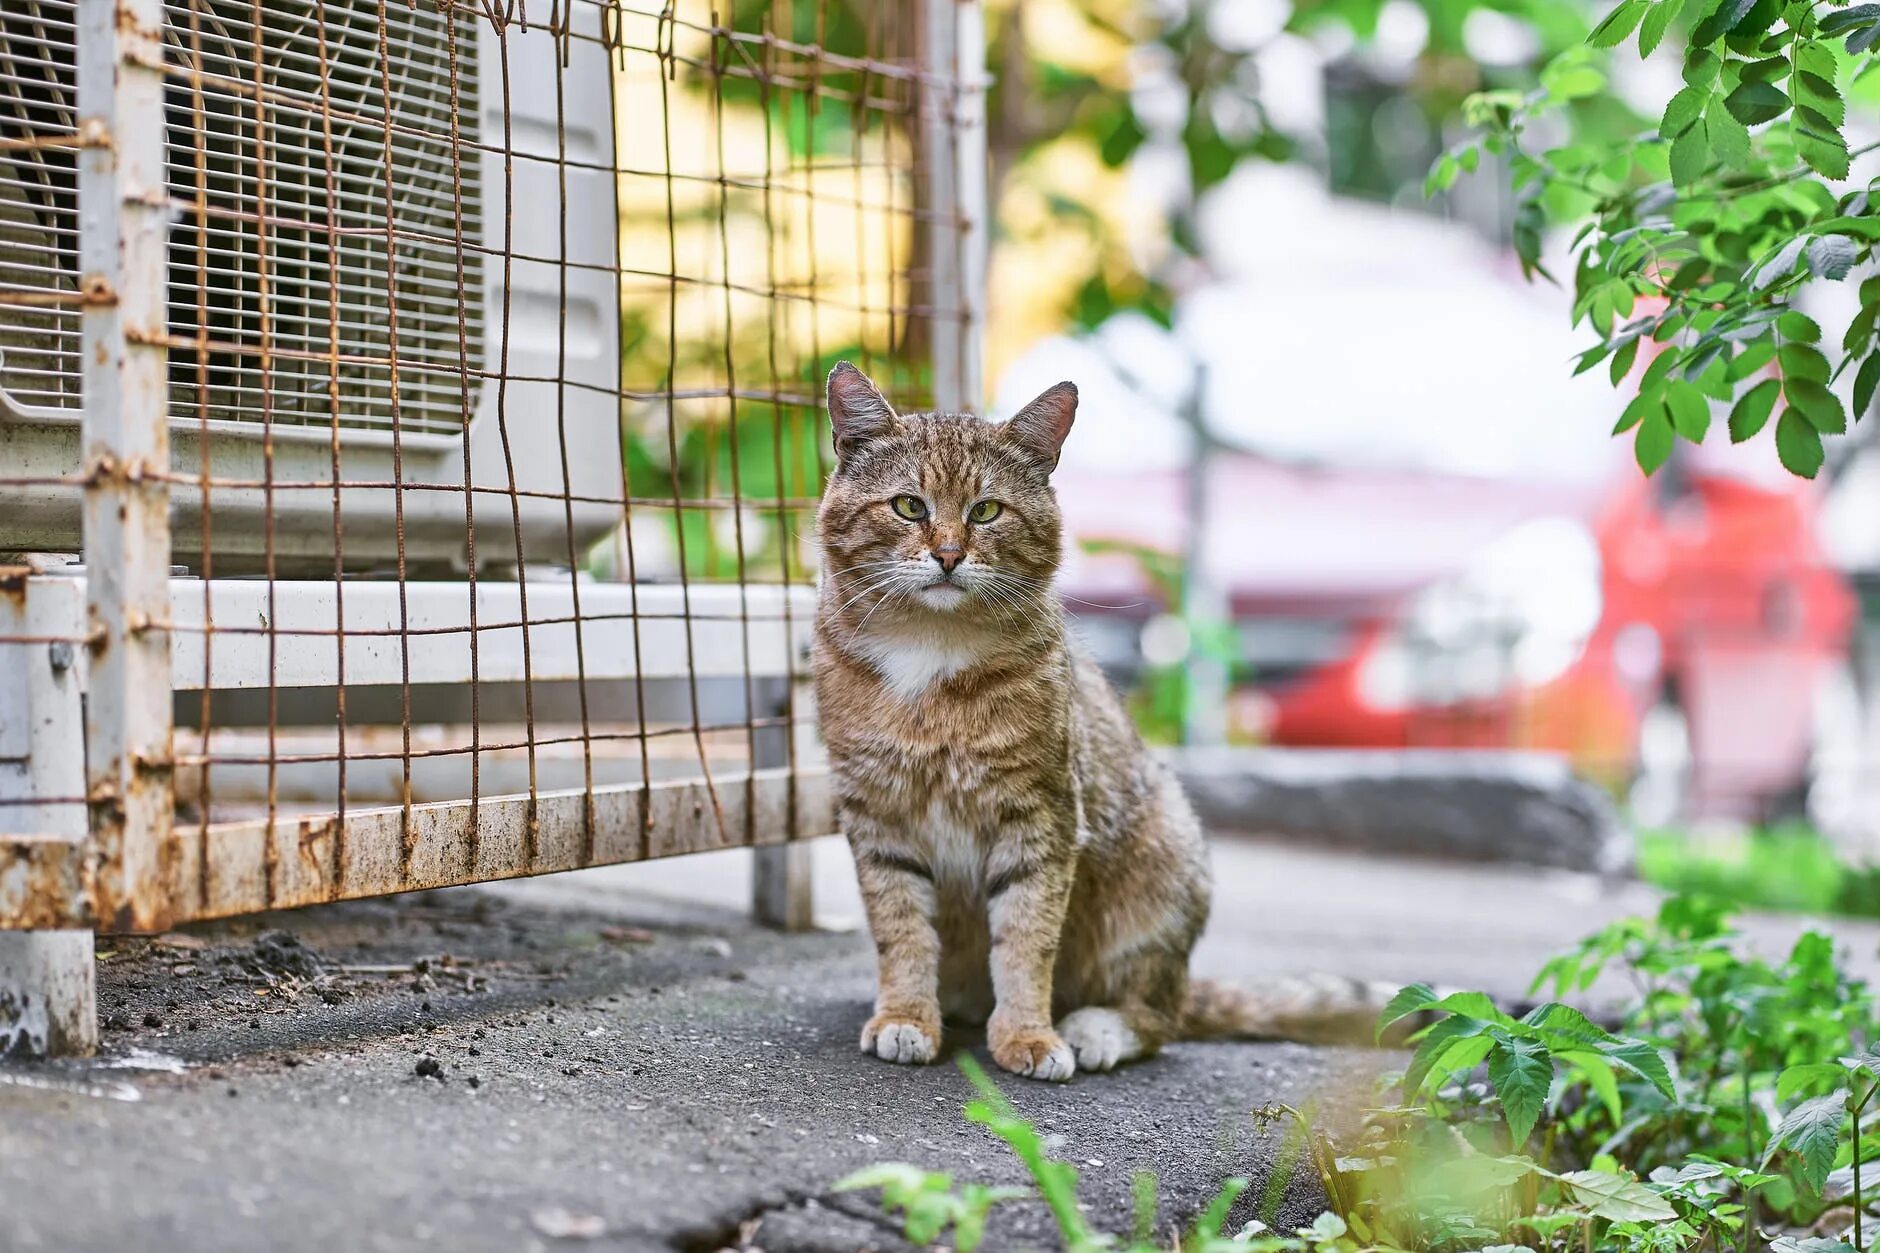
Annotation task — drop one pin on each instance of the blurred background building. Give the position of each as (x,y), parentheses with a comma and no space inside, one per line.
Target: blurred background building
(1332,482)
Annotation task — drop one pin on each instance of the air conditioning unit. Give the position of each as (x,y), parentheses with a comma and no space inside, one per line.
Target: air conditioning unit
(425,326)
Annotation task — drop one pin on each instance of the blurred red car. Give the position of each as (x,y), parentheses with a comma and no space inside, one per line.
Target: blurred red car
(1669,633)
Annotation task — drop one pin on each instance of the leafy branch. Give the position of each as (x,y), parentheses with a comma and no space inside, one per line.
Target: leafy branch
(1696,237)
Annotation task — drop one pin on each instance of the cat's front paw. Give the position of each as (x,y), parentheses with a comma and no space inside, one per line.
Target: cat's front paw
(1034,1052)
(895,1038)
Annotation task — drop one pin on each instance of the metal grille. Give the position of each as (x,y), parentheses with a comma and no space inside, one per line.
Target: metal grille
(243,104)
(452,429)
(39,339)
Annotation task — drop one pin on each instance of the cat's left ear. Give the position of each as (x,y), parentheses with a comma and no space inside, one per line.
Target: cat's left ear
(1041,426)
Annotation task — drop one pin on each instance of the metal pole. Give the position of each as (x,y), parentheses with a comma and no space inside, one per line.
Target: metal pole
(123,241)
(47,983)
(953,169)
(1204,610)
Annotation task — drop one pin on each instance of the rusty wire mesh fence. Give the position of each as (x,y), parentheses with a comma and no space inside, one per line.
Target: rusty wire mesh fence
(410,428)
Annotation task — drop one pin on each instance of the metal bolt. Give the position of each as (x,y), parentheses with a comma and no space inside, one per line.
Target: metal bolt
(60,654)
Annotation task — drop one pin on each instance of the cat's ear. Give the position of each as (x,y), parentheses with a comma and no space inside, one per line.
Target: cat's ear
(858,412)
(1040,427)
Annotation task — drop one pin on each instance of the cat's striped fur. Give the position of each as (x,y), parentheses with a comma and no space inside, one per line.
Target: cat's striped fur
(1024,860)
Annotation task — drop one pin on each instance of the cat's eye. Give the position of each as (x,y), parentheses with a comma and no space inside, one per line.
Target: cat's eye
(913,508)
(985,511)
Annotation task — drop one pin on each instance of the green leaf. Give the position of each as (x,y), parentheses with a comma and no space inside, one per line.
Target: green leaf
(1864,384)
(1474,1005)
(1820,144)
(1756,101)
(1522,1071)
(1681,112)
(1564,1021)
(1721,21)
(1800,361)
(1729,138)
(1617,1198)
(1701,66)
(1690,155)
(1622,360)
(1812,1130)
(1817,403)
(1798,444)
(1795,1078)
(1690,412)
(1651,31)
(1753,358)
(1751,413)
(1652,445)
(1844,19)
(1644,1061)
(1779,266)
(1617,24)
(1831,256)
(1642,404)
(1768,71)
(1434,1044)
(1590,358)
(1798,327)
(1412,999)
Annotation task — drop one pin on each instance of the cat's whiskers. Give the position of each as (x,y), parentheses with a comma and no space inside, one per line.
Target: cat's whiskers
(992,583)
(878,583)
(893,593)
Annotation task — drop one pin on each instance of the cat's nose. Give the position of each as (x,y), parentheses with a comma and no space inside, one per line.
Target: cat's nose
(949,556)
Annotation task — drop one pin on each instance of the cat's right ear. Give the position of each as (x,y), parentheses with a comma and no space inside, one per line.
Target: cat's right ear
(858,412)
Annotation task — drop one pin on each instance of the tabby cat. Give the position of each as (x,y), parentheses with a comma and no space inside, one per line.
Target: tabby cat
(1025,862)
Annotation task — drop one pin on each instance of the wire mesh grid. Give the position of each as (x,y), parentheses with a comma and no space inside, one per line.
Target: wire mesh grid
(453,458)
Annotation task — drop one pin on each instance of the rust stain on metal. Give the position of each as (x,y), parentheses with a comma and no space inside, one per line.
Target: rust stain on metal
(44,889)
(97,291)
(313,831)
(94,132)
(13,584)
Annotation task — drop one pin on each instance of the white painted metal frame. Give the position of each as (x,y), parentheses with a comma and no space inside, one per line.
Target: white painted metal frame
(124,267)
(46,977)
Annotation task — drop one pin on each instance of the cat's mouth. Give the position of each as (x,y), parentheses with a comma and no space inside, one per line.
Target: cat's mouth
(941,594)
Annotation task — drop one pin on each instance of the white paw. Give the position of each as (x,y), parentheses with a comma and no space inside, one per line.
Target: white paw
(1055,1066)
(901,1042)
(1100,1037)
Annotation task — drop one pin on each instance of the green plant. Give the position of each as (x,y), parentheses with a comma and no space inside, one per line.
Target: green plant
(1788,867)
(1729,1103)
(930,1201)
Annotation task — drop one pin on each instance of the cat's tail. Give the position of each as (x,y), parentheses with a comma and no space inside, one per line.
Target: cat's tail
(1305,1009)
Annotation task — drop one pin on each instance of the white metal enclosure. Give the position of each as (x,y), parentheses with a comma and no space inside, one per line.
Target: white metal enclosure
(410,432)
(418,126)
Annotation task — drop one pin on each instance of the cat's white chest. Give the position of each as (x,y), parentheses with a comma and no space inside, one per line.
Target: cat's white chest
(909,666)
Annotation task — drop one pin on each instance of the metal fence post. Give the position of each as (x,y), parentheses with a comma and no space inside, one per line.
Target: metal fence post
(123,260)
(47,1000)
(953,169)
(782,875)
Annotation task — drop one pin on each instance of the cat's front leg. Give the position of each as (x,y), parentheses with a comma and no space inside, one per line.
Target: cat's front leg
(898,893)
(1028,892)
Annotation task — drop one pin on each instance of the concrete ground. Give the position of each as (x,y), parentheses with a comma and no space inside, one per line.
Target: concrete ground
(618,1058)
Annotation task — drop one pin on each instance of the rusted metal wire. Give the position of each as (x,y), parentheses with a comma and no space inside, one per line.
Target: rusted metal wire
(465,410)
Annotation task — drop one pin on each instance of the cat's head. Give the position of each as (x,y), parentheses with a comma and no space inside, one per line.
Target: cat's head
(940,513)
